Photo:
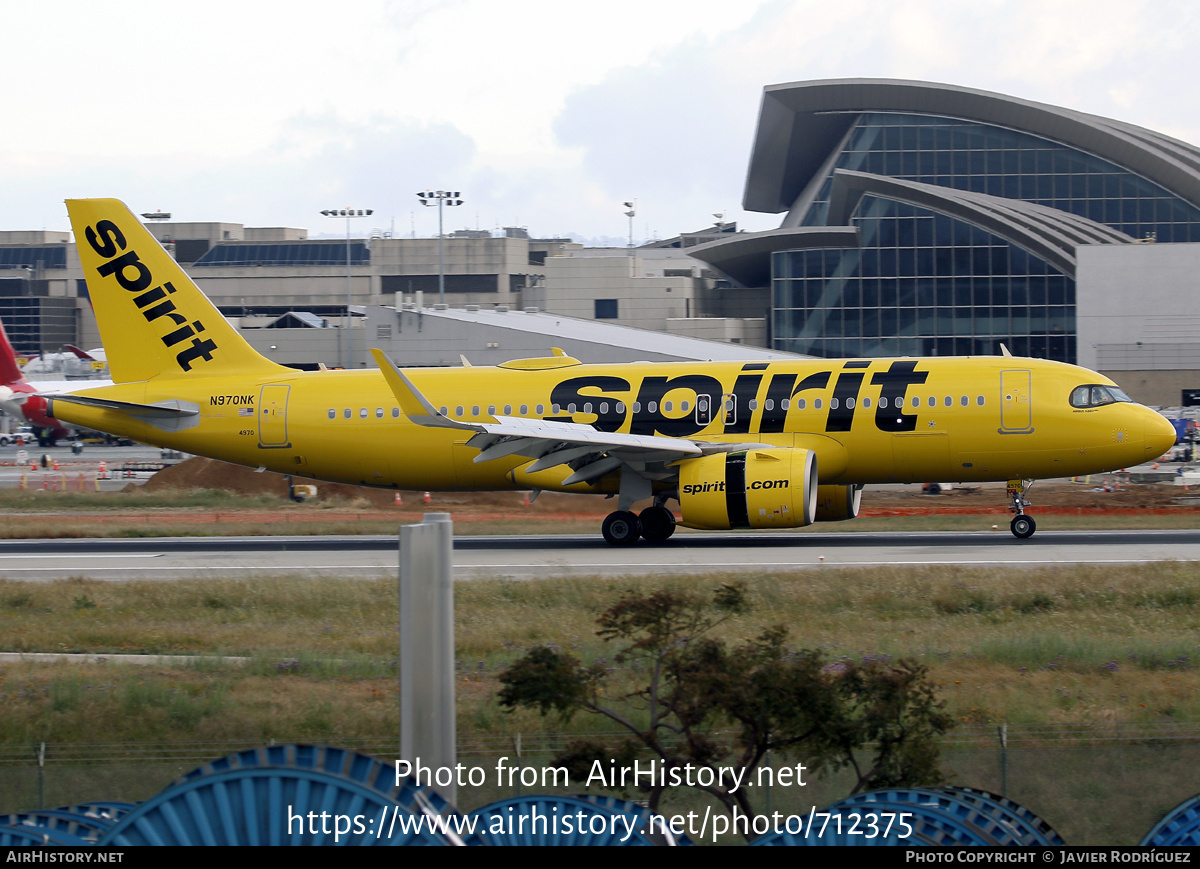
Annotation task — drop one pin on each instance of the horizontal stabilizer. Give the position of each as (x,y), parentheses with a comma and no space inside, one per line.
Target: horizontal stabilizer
(172,415)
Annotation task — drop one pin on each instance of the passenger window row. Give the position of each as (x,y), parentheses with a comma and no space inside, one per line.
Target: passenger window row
(1098,395)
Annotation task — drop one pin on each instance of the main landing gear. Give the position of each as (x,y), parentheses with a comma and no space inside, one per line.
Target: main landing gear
(623,528)
(1022,525)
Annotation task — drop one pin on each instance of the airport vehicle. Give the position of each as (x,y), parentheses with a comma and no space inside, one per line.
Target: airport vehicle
(740,445)
(23,435)
(24,399)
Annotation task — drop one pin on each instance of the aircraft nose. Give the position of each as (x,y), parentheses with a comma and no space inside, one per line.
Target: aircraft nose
(1160,435)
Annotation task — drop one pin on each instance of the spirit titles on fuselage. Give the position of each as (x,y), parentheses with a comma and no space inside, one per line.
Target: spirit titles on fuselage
(647,414)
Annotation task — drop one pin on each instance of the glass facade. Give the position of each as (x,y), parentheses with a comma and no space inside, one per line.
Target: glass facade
(37,324)
(1001,162)
(301,253)
(923,283)
(33,256)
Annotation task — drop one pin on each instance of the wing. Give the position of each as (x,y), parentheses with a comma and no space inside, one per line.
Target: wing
(589,452)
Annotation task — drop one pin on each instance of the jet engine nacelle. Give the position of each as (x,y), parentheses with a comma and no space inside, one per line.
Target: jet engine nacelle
(761,488)
(835,503)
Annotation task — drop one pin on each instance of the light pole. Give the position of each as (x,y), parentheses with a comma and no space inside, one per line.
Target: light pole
(631,214)
(441,197)
(347,213)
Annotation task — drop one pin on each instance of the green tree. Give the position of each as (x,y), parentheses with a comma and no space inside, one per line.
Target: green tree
(691,686)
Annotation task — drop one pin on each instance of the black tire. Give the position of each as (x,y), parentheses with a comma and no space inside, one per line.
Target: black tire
(621,528)
(658,523)
(1023,527)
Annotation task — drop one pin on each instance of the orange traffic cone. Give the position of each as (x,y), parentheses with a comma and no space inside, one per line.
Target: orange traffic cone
(399,500)
(428,498)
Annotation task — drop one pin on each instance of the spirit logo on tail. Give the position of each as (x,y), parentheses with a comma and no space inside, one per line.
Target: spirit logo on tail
(106,239)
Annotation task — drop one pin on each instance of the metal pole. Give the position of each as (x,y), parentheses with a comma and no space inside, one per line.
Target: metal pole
(441,260)
(1004,760)
(41,759)
(347,213)
(428,731)
(349,341)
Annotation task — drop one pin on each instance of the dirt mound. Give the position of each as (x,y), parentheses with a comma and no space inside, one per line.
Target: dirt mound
(1042,494)
(201,473)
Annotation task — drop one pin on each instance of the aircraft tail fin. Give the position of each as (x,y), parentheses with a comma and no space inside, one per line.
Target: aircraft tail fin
(153,319)
(10,371)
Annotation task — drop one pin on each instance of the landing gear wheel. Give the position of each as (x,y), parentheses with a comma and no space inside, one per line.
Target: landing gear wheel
(621,528)
(1023,526)
(658,523)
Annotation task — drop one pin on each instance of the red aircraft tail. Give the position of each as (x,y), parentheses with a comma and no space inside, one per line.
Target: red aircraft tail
(10,371)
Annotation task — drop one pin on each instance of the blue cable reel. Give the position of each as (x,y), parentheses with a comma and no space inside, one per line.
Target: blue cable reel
(289,795)
(959,822)
(1178,827)
(75,824)
(869,827)
(355,766)
(111,810)
(1028,828)
(892,817)
(554,820)
(657,831)
(898,816)
(18,835)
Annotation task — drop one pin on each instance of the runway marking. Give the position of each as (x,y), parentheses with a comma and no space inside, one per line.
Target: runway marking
(195,569)
(24,557)
(742,565)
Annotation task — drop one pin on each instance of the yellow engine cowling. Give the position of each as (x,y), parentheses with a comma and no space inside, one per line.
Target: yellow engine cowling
(764,488)
(835,503)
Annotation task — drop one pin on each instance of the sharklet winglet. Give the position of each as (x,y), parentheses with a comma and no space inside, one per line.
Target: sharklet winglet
(414,405)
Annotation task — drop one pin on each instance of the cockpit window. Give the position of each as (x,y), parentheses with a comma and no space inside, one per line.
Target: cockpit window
(1096,395)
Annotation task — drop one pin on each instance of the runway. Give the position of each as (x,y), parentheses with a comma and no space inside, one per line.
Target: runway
(124,559)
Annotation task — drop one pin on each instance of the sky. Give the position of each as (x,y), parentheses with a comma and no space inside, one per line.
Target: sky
(547,115)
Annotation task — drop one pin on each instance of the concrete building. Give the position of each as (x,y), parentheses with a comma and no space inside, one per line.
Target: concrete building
(43,299)
(1138,317)
(271,278)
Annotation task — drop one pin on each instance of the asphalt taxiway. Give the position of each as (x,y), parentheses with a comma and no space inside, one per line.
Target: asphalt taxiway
(533,557)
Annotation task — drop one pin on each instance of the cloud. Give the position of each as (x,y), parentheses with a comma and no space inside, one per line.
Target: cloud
(544,114)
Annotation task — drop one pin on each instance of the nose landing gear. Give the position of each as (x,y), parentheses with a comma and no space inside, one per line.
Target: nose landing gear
(1022,525)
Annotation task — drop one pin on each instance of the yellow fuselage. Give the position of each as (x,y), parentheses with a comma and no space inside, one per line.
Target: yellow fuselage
(867,421)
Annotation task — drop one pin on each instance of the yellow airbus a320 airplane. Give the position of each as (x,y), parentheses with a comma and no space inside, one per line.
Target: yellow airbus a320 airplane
(739,445)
